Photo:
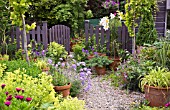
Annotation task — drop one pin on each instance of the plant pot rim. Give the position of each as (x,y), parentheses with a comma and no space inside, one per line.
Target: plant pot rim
(153,87)
(62,87)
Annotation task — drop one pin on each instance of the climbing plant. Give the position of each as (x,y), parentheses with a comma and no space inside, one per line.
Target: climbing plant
(134,11)
(19,7)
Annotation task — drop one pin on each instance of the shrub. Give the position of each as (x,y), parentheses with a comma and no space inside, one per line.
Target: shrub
(31,69)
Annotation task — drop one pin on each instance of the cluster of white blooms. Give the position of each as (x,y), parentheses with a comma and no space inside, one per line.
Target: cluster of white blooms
(105,20)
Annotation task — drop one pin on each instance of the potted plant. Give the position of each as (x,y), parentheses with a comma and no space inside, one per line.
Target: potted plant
(42,64)
(113,23)
(61,84)
(99,63)
(56,51)
(156,86)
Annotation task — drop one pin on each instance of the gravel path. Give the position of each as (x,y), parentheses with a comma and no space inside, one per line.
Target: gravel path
(102,96)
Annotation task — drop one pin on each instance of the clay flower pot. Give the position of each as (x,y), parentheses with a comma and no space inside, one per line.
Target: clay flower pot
(100,70)
(46,69)
(115,63)
(65,90)
(157,96)
(90,56)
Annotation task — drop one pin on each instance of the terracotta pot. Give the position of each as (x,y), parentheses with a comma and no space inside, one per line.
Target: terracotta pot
(157,96)
(100,70)
(101,54)
(90,56)
(65,90)
(45,69)
(115,63)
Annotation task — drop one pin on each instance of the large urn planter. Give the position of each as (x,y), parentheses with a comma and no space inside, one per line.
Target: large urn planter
(100,70)
(157,97)
(65,90)
(115,63)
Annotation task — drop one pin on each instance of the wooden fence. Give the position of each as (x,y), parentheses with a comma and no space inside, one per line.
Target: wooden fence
(43,35)
(104,36)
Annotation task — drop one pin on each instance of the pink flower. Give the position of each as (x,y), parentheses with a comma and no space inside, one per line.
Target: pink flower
(9,98)
(28,99)
(3,85)
(7,103)
(19,97)
(18,89)
(167,105)
(6,93)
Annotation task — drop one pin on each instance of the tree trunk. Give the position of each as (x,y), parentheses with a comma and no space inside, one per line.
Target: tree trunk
(25,39)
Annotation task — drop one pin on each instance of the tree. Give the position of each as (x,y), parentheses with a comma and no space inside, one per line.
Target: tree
(134,11)
(19,8)
(4,23)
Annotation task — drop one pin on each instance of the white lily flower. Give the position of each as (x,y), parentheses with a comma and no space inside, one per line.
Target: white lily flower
(112,15)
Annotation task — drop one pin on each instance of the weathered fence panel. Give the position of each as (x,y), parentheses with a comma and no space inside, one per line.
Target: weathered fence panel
(100,33)
(43,35)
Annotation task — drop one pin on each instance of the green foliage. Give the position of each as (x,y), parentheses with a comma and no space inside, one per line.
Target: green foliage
(31,70)
(75,88)
(56,51)
(134,69)
(100,61)
(158,77)
(162,55)
(42,64)
(136,9)
(5,23)
(78,54)
(147,32)
(59,79)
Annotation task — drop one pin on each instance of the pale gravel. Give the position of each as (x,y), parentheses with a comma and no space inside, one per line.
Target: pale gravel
(103,96)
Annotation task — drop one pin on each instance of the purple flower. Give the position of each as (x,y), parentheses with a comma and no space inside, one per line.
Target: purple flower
(28,99)
(37,53)
(50,61)
(7,103)
(82,74)
(86,51)
(63,64)
(43,53)
(9,98)
(167,105)
(61,59)
(6,93)
(88,87)
(83,50)
(3,85)
(95,53)
(74,66)
(18,89)
(19,97)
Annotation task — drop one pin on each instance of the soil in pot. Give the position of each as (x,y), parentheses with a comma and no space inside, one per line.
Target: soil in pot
(100,70)
(115,63)
(157,97)
(65,90)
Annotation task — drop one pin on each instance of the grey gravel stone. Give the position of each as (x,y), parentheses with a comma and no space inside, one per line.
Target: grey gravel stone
(102,96)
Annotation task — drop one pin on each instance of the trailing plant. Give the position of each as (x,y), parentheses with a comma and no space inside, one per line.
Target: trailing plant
(157,77)
(56,51)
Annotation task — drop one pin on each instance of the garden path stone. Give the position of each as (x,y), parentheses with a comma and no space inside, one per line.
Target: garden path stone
(102,96)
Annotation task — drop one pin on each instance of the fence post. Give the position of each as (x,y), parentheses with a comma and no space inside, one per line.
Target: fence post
(87,30)
(45,34)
